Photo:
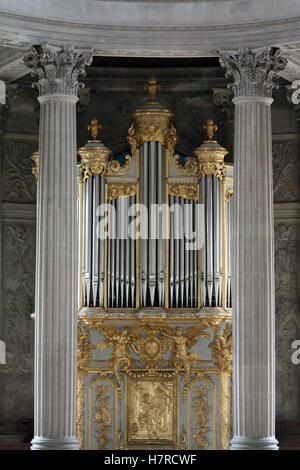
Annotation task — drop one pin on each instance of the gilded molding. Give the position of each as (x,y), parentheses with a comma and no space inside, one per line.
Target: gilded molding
(116,190)
(35,169)
(253,70)
(225,410)
(184,190)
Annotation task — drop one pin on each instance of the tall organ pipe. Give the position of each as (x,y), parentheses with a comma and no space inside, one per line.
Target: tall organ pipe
(161,243)
(144,242)
(101,250)
(95,245)
(203,250)
(171,250)
(152,221)
(217,229)
(88,238)
(132,260)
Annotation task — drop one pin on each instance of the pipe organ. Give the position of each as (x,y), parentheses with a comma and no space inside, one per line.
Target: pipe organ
(154,322)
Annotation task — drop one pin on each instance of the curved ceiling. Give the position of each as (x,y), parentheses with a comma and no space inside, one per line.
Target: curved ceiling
(141,28)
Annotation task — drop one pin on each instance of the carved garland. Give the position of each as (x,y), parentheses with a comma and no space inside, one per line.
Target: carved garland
(116,190)
(185,190)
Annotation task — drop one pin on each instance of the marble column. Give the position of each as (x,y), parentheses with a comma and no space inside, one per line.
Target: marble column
(58,70)
(253,73)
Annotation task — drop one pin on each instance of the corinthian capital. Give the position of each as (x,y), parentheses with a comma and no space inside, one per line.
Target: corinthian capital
(253,71)
(57,68)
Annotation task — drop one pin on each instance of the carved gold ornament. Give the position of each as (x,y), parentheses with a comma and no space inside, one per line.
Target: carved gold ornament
(222,349)
(152,126)
(202,410)
(152,347)
(94,127)
(210,155)
(151,411)
(228,194)
(152,123)
(114,168)
(189,168)
(102,415)
(94,155)
(210,129)
(35,170)
(152,87)
(152,375)
(116,190)
(185,190)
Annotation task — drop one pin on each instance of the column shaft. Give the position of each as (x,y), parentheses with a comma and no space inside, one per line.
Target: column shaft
(253,277)
(56,277)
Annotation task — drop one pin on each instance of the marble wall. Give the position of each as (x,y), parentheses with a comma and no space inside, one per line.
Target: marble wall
(111,99)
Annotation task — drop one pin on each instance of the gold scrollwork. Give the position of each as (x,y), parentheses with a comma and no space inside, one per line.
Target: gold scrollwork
(116,190)
(222,349)
(102,416)
(93,162)
(188,169)
(114,168)
(228,194)
(185,190)
(35,169)
(154,129)
(202,410)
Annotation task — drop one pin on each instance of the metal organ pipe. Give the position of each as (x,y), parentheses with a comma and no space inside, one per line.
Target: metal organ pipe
(144,242)
(161,242)
(152,221)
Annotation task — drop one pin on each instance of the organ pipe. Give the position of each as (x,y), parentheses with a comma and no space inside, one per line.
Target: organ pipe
(125,273)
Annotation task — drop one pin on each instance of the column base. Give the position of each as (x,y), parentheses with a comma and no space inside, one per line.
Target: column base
(46,443)
(248,443)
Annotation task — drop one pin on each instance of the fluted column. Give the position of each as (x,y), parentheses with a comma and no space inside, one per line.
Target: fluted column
(253,73)
(56,251)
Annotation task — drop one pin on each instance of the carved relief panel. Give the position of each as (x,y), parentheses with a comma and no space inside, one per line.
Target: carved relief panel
(151,383)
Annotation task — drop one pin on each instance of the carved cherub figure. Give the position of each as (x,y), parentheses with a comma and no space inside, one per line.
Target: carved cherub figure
(121,341)
(181,342)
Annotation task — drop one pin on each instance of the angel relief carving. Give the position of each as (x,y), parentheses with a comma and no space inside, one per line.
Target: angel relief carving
(150,342)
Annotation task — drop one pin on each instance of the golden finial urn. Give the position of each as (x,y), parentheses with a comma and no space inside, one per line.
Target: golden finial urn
(94,155)
(152,122)
(210,155)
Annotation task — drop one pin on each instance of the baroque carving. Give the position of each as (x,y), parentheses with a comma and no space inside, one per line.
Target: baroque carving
(222,349)
(286,318)
(35,169)
(114,167)
(222,98)
(202,410)
(116,190)
(184,190)
(253,70)
(17,306)
(57,68)
(286,171)
(20,184)
(102,415)
(189,168)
